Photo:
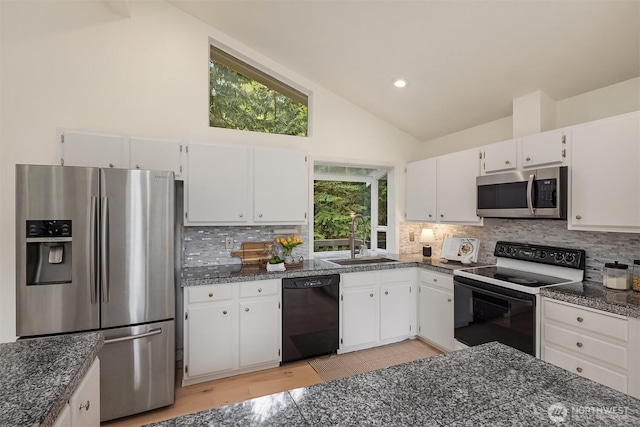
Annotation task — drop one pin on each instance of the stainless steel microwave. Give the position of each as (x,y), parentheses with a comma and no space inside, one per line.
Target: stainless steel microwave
(538,193)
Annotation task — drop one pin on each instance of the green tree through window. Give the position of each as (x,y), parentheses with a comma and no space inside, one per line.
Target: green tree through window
(238,101)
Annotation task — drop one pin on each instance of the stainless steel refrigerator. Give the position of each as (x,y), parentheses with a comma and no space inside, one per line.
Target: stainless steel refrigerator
(95,251)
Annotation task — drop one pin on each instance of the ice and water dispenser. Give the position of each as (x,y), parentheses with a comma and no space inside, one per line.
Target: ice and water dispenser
(49,245)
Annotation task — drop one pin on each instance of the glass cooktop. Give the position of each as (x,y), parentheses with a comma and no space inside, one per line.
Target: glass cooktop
(518,277)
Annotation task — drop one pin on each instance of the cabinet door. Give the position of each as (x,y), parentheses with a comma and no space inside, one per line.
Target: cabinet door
(64,419)
(360,316)
(500,157)
(209,331)
(94,150)
(395,311)
(218,188)
(156,154)
(85,401)
(259,332)
(605,175)
(543,149)
(420,197)
(456,187)
(436,316)
(280,185)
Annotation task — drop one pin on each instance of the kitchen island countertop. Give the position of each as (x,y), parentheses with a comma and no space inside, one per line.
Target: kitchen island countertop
(490,384)
(38,376)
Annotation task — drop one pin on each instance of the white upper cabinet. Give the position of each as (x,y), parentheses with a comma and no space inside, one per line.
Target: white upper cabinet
(605,178)
(156,154)
(544,149)
(280,185)
(420,197)
(456,187)
(93,150)
(218,181)
(500,157)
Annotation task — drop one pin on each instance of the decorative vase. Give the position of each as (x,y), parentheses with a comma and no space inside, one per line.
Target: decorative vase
(288,259)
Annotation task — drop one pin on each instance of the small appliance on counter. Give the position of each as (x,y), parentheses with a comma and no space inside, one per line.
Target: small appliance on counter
(463,249)
(614,276)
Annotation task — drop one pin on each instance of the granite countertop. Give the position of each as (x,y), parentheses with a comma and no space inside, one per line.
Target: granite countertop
(209,275)
(38,376)
(595,295)
(490,384)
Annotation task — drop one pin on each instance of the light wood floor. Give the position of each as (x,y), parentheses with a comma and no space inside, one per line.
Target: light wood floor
(222,392)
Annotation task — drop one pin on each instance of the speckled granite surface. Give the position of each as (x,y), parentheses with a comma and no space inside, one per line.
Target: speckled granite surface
(38,376)
(491,384)
(195,276)
(595,295)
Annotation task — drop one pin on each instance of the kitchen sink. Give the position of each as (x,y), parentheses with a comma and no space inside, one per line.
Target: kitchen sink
(362,261)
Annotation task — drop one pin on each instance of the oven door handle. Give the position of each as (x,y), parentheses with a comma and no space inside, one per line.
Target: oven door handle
(508,293)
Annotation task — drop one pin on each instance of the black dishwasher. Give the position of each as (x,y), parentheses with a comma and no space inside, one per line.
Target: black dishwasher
(310,312)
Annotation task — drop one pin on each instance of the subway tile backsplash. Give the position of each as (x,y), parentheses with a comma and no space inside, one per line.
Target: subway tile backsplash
(203,246)
(600,247)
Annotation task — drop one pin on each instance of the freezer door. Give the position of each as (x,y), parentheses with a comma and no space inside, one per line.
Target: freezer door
(137,369)
(56,281)
(137,246)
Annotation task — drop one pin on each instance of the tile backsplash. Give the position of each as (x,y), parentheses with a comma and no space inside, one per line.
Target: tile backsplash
(204,246)
(600,247)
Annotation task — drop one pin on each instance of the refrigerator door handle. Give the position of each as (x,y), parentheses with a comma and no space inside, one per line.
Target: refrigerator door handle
(104,249)
(93,282)
(152,332)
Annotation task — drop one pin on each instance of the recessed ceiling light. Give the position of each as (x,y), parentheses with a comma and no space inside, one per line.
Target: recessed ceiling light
(400,83)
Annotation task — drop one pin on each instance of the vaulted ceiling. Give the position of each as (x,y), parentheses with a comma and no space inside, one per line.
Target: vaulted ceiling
(465,61)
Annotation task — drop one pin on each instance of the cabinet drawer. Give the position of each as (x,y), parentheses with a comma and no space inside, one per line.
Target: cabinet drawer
(588,320)
(436,279)
(586,345)
(586,369)
(259,288)
(208,293)
(401,275)
(359,279)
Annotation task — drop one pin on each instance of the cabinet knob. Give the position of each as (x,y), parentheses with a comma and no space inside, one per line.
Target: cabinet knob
(260,215)
(371,295)
(386,292)
(224,312)
(429,215)
(435,280)
(579,344)
(211,295)
(441,215)
(259,289)
(578,217)
(506,162)
(580,319)
(110,165)
(246,309)
(579,369)
(241,215)
(448,299)
(85,406)
(137,166)
(528,159)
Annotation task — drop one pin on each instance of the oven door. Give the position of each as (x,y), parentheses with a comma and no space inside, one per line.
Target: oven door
(484,312)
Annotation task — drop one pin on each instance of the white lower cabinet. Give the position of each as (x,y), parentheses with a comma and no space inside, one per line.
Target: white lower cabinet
(591,343)
(377,307)
(231,329)
(64,419)
(435,309)
(85,401)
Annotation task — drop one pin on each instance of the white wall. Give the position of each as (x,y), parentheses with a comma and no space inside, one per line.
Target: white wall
(619,98)
(79,65)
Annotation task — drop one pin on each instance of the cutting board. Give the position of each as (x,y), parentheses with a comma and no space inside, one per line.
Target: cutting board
(252,253)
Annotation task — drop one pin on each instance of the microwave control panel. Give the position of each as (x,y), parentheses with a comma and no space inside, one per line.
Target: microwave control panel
(546,194)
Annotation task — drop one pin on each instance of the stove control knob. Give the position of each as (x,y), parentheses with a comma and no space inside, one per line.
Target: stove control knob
(542,254)
(509,249)
(501,249)
(570,258)
(559,257)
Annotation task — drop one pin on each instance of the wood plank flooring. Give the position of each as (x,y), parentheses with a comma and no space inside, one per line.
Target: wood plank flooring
(213,394)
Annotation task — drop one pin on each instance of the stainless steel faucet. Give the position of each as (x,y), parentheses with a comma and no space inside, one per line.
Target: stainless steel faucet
(353,228)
